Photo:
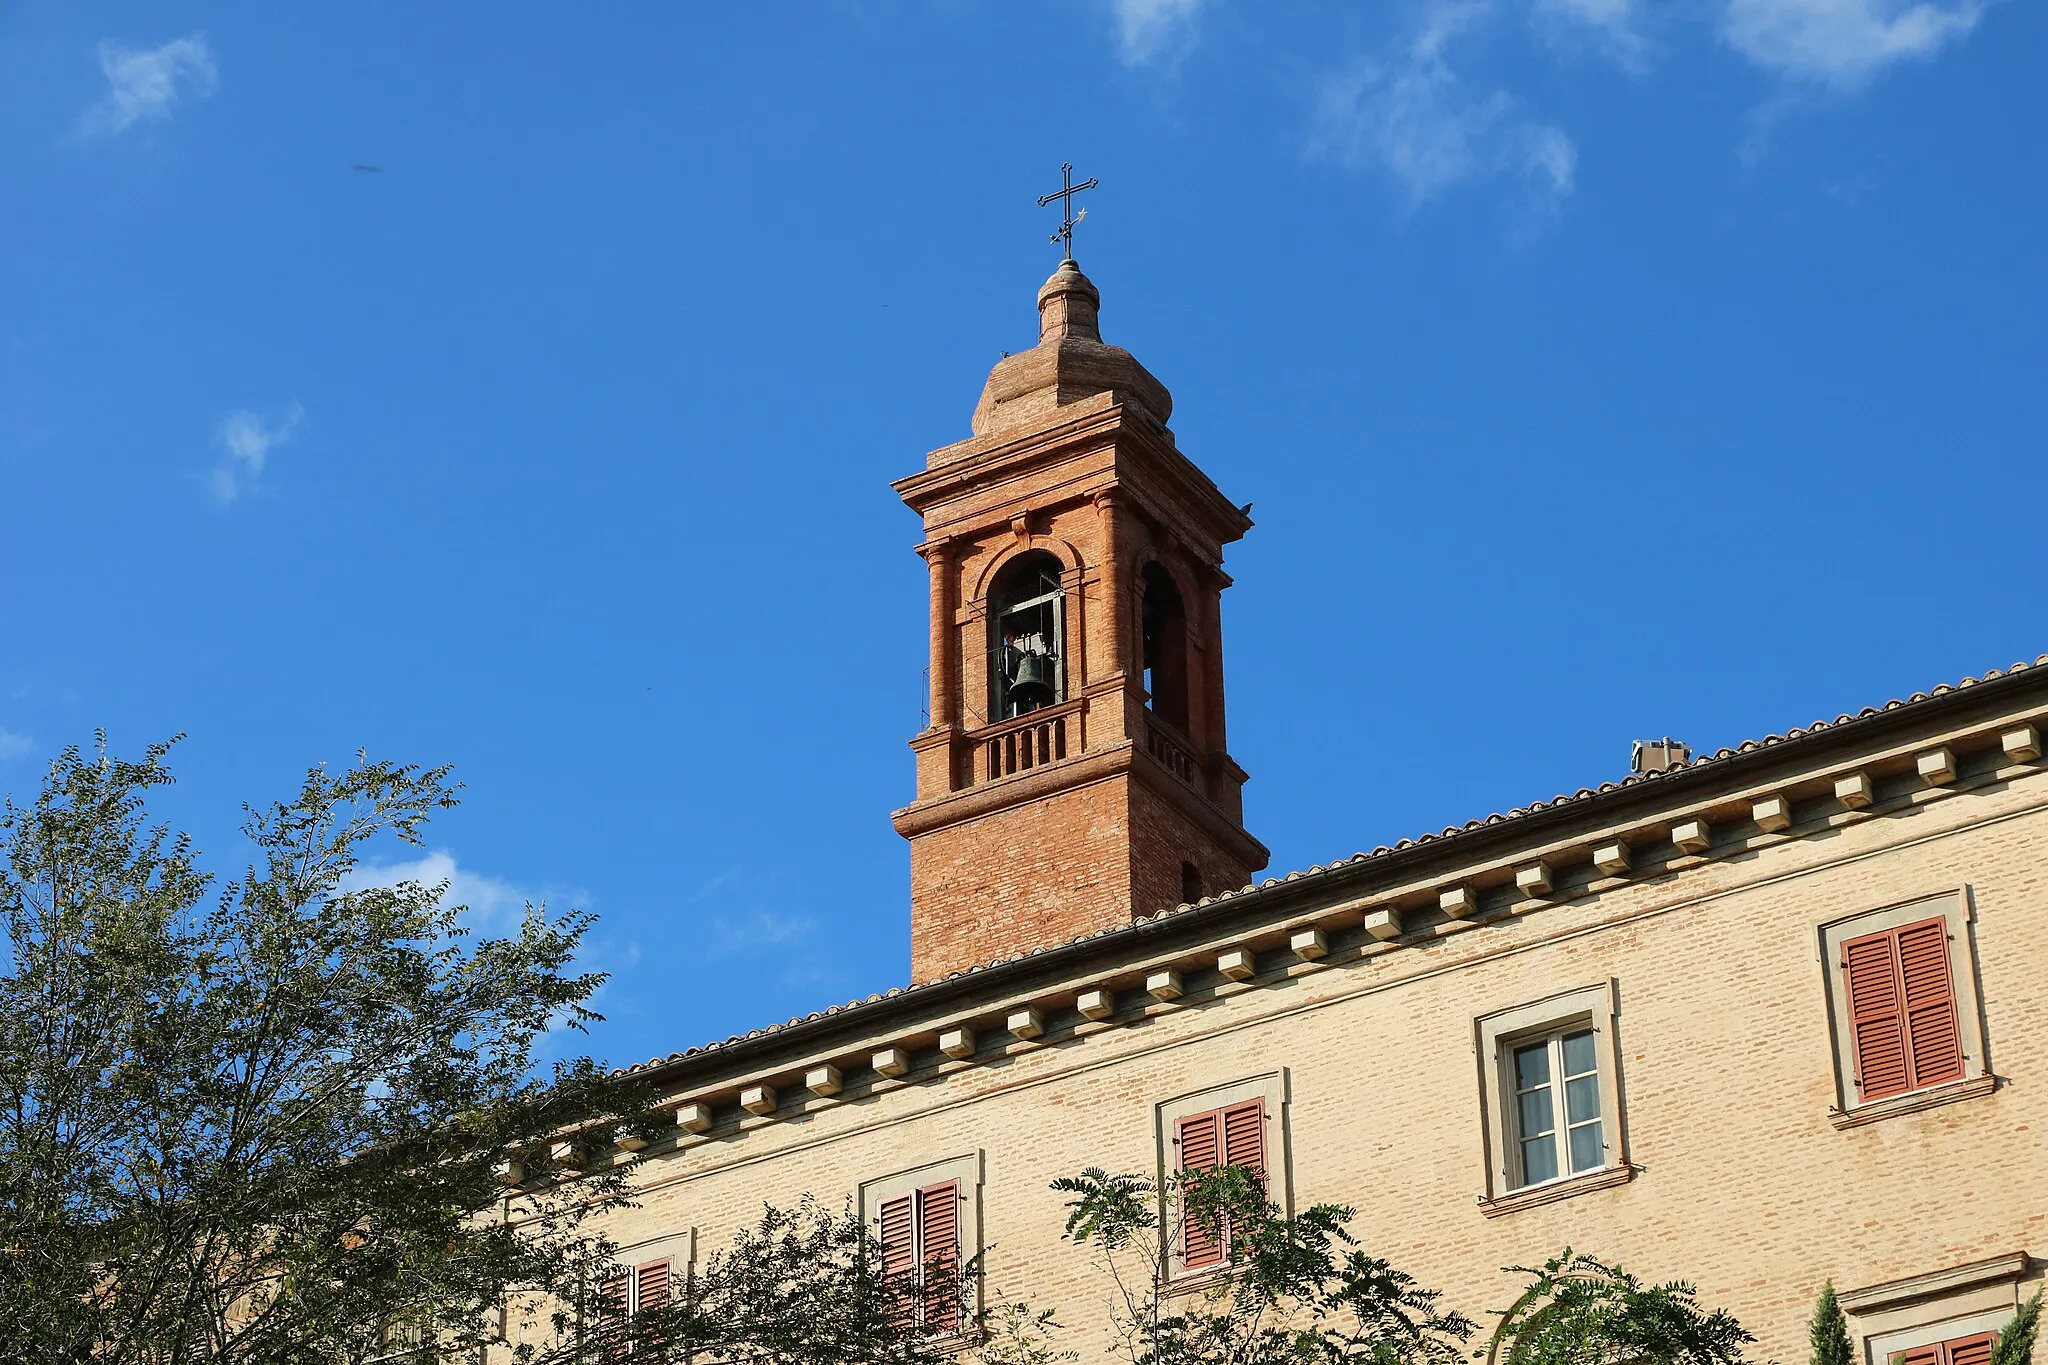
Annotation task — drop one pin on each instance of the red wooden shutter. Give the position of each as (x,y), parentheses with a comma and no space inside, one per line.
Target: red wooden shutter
(938,1221)
(899,1258)
(1201,1146)
(1877,1015)
(1919,1355)
(1200,1141)
(611,1311)
(1934,1043)
(654,1286)
(1244,1136)
(611,1297)
(1969,1350)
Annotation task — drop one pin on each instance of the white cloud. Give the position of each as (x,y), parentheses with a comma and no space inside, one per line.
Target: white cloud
(246,440)
(15,746)
(1550,160)
(1413,116)
(759,929)
(145,84)
(1152,30)
(1843,44)
(1614,27)
(494,904)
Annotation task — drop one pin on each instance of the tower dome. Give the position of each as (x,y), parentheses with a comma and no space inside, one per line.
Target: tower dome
(1070,363)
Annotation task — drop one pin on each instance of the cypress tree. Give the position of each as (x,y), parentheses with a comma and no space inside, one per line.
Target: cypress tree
(1829,1331)
(2015,1345)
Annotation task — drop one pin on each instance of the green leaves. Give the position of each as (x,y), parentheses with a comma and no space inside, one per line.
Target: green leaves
(1829,1331)
(1291,1291)
(2015,1344)
(1299,1291)
(1577,1311)
(1106,1208)
(806,1286)
(261,1121)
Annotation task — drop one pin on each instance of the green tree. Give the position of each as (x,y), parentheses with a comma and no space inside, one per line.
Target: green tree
(1577,1311)
(267,1119)
(807,1286)
(2015,1345)
(1829,1330)
(1016,1334)
(1291,1291)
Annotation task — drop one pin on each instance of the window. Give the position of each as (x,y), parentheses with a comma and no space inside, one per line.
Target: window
(1164,623)
(1903,1004)
(624,1295)
(1551,1099)
(920,1234)
(1242,1123)
(1190,883)
(1948,1316)
(1902,1010)
(928,1222)
(1233,1136)
(1557,1106)
(651,1278)
(633,1289)
(1027,651)
(1970,1350)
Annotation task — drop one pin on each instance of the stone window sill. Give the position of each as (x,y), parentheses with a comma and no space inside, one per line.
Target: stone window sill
(1553,1190)
(1913,1102)
(1185,1282)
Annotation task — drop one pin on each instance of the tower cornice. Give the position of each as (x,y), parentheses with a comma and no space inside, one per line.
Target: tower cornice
(1108,445)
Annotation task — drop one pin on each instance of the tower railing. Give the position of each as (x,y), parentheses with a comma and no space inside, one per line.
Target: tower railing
(1025,742)
(1175,754)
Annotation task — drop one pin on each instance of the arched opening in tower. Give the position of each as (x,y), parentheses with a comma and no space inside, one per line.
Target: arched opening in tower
(1166,648)
(1027,651)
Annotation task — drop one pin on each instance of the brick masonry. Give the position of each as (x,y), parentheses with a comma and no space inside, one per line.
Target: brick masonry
(1742,1181)
(1740,1177)
(1046,871)
(1070,461)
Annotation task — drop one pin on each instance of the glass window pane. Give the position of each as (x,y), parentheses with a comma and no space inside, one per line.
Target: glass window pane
(1532,1066)
(1535,1113)
(1586,1151)
(1539,1160)
(1578,1054)
(1581,1099)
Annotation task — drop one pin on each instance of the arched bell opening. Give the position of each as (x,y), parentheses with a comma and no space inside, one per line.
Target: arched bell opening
(1165,625)
(1027,644)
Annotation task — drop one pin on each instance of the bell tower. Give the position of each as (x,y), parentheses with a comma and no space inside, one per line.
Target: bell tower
(1074,775)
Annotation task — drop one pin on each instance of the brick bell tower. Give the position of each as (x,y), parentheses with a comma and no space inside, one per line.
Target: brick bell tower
(1074,776)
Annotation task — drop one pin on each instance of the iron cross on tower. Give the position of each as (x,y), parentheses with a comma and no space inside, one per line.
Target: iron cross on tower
(1065,236)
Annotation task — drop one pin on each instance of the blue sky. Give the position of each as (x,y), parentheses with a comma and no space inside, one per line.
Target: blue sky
(1597,369)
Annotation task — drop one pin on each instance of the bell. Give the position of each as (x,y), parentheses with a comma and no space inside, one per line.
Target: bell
(1031,685)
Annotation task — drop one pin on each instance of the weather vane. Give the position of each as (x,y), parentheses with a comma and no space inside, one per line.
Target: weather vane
(1064,238)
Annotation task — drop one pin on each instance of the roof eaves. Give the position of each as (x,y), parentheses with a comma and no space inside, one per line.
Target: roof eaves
(1700,771)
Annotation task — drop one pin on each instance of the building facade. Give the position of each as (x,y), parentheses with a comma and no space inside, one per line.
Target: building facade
(1766,1019)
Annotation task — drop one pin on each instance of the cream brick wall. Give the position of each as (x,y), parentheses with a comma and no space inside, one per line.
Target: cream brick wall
(1727,1071)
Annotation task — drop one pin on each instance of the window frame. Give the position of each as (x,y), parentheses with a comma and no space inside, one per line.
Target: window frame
(967,1173)
(1497,1036)
(1271,1087)
(1556,1085)
(1887,1347)
(679,1249)
(1951,1304)
(1957,907)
